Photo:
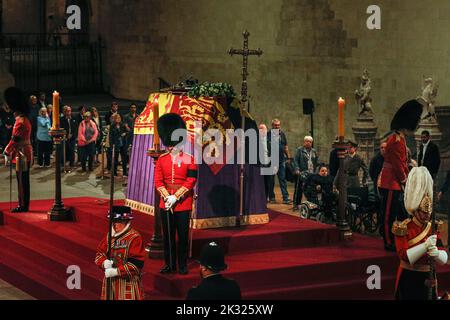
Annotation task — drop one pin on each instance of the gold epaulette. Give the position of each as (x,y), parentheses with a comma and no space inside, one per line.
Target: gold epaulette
(164,154)
(400,228)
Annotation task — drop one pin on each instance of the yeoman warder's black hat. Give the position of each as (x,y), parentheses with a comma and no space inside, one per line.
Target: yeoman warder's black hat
(166,125)
(121,213)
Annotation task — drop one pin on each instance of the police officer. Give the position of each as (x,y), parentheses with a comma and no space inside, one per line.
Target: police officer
(214,286)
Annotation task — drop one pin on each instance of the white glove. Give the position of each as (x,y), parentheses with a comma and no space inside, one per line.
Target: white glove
(107,264)
(433,252)
(440,256)
(170,201)
(431,241)
(111,273)
(415,253)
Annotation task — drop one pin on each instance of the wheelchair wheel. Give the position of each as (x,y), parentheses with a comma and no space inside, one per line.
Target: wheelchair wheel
(371,222)
(305,212)
(320,217)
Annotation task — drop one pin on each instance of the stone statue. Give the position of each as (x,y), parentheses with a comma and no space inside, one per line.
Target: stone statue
(363,96)
(429,93)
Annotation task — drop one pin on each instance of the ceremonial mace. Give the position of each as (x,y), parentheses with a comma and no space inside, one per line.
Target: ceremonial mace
(245,53)
(111,203)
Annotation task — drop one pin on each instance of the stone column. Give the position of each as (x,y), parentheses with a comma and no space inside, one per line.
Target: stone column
(365,131)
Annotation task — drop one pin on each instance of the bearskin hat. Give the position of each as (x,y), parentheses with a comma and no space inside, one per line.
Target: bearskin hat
(408,116)
(166,125)
(15,98)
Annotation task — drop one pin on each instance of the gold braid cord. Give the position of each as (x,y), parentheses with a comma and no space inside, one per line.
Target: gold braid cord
(163,192)
(181,192)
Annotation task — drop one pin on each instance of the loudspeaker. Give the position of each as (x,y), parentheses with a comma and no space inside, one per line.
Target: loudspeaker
(308,106)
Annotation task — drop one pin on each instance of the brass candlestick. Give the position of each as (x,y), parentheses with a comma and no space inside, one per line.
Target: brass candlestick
(341,222)
(58,211)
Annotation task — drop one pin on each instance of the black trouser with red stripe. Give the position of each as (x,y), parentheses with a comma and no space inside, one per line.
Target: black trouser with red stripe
(178,224)
(24,196)
(412,286)
(392,209)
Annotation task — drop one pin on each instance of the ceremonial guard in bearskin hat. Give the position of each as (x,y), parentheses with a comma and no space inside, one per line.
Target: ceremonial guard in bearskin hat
(175,178)
(417,245)
(394,173)
(214,286)
(124,269)
(19,149)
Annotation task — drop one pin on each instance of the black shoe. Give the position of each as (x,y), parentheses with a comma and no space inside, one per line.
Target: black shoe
(167,269)
(183,270)
(19,210)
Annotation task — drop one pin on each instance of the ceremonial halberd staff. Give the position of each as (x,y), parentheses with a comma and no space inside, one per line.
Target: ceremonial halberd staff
(245,53)
(432,290)
(111,200)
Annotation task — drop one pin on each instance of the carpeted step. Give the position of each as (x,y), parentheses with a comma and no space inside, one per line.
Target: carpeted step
(41,255)
(36,280)
(57,260)
(285,231)
(290,267)
(340,290)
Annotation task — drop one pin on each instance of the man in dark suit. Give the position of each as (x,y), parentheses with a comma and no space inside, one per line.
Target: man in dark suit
(429,155)
(71,126)
(214,286)
(376,164)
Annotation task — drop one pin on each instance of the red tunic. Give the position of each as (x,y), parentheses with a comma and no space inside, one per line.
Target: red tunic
(20,140)
(128,255)
(395,168)
(409,234)
(176,175)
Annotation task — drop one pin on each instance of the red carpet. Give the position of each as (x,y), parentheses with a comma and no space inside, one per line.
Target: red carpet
(288,258)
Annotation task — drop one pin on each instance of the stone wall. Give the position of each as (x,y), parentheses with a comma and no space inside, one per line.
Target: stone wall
(305,51)
(312,49)
(20,16)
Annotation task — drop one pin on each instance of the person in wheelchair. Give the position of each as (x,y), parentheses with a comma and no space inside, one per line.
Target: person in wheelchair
(321,195)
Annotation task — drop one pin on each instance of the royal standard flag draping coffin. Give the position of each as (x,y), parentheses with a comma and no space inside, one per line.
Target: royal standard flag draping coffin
(218,185)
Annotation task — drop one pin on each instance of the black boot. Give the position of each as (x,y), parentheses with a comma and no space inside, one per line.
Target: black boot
(19,209)
(167,269)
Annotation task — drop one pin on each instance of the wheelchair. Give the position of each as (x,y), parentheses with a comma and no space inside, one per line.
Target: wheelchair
(362,210)
(320,206)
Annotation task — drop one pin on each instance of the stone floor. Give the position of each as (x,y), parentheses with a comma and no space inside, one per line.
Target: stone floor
(8,292)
